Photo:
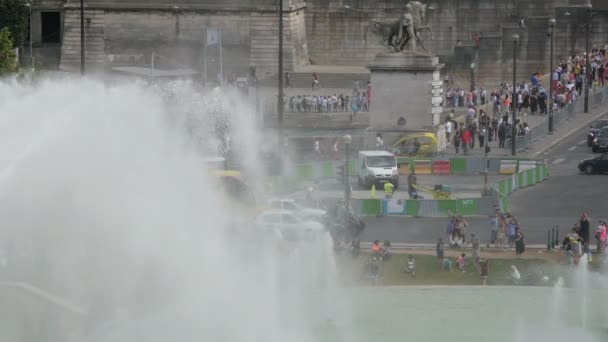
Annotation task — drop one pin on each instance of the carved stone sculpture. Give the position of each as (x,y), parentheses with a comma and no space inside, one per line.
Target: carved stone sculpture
(403,34)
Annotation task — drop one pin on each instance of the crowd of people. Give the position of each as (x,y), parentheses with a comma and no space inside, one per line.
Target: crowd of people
(577,242)
(359,102)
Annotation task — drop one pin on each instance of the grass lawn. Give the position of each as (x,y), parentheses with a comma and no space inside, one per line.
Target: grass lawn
(428,271)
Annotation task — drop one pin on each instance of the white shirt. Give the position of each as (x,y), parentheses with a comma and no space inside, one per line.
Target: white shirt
(448,127)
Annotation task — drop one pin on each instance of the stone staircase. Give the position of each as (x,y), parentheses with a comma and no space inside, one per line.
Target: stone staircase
(94,39)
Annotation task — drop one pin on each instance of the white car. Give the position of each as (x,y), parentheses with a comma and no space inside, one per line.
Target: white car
(287,224)
(302,212)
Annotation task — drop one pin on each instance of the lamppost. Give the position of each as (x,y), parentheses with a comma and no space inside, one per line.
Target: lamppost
(552,22)
(515,38)
(82,37)
(587,58)
(280,105)
(29,5)
(472,77)
(348,139)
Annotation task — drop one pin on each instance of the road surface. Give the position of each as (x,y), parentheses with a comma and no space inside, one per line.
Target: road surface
(558,201)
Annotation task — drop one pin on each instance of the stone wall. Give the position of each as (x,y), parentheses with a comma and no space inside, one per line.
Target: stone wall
(341,36)
(135,30)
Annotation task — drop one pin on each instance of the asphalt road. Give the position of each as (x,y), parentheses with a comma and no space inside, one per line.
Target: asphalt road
(567,193)
(558,201)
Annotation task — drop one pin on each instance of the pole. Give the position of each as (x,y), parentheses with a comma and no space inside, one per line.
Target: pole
(472,80)
(221,59)
(587,61)
(280,105)
(31,40)
(514,102)
(550,100)
(346,181)
(205,56)
(82,68)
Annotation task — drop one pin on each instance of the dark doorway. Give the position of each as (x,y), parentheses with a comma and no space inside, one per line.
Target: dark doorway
(51,27)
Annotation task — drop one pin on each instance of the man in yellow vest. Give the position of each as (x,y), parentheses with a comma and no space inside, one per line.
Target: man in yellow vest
(388,189)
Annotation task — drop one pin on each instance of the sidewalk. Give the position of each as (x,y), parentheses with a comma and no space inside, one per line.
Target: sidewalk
(569,127)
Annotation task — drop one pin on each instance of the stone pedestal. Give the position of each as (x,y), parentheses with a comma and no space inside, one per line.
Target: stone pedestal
(401,95)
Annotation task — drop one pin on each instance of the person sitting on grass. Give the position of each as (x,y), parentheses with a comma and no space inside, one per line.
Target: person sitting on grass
(385,252)
(447,264)
(411,266)
(376,250)
(460,260)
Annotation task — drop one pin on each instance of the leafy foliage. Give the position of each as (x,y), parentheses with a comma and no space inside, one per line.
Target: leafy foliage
(7,55)
(14,14)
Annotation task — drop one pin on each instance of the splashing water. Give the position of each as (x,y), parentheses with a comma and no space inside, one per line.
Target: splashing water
(108,204)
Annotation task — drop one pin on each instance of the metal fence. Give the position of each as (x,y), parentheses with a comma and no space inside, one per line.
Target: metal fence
(598,97)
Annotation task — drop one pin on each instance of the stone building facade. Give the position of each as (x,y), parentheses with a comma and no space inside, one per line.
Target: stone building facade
(324,32)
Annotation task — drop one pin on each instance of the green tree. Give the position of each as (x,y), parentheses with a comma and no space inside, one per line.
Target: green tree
(15,15)
(7,54)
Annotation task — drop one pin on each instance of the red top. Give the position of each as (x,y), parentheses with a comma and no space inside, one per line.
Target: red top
(466,136)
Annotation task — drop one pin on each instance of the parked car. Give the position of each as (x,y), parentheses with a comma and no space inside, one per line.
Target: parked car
(594,129)
(288,225)
(301,211)
(600,142)
(594,165)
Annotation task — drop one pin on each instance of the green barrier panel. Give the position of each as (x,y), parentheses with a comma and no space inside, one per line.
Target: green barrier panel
(304,171)
(539,172)
(458,165)
(504,204)
(371,207)
(502,187)
(445,205)
(411,207)
(509,186)
(352,171)
(530,176)
(520,180)
(467,207)
(328,170)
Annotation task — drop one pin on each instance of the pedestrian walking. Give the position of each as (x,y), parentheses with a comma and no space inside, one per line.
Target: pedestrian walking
(457,140)
(520,245)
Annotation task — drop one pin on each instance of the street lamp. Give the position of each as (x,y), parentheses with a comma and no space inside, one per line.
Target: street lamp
(515,38)
(587,58)
(348,139)
(552,22)
(82,70)
(472,77)
(280,81)
(29,5)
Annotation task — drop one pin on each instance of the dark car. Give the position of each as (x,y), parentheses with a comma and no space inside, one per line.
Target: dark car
(594,165)
(594,129)
(600,142)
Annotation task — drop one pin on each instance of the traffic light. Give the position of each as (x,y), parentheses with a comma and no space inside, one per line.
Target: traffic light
(341,173)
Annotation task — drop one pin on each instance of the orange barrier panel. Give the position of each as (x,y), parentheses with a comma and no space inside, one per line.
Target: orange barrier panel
(422,167)
(441,167)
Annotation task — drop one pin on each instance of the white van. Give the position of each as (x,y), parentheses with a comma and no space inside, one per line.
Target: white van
(377,168)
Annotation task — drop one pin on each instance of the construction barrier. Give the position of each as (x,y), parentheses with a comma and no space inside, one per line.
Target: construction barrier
(441,167)
(461,206)
(423,167)
(455,166)
(508,167)
(526,165)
